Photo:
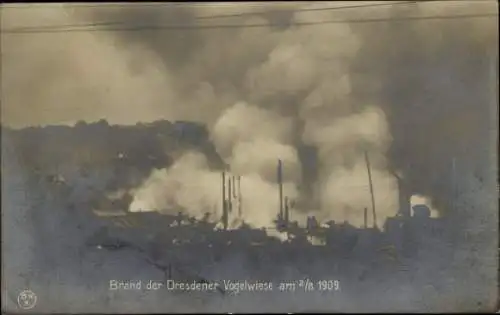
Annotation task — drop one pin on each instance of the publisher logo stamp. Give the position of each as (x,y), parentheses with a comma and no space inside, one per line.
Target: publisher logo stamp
(26,299)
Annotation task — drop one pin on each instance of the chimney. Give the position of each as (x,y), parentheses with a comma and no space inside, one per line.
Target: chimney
(229,196)
(223,190)
(280,185)
(239,196)
(234,187)
(287,212)
(224,204)
(453,182)
(365,218)
(404,199)
(403,195)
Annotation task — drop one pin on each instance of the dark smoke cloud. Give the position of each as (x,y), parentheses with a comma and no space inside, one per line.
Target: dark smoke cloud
(437,88)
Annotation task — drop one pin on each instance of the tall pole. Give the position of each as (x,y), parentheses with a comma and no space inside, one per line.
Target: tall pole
(223,191)
(280,185)
(371,189)
(404,196)
(287,212)
(453,182)
(224,205)
(365,216)
(493,73)
(239,196)
(229,196)
(234,187)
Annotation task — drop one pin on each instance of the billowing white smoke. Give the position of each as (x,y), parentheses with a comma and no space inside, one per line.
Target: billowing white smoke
(313,62)
(252,135)
(189,186)
(425,74)
(244,123)
(291,75)
(422,200)
(345,190)
(251,141)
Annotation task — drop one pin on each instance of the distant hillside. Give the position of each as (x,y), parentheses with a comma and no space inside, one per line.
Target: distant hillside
(128,152)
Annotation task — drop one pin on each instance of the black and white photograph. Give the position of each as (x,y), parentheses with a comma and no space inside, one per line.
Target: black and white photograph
(249,157)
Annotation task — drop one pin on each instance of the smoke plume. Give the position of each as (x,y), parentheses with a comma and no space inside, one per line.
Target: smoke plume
(416,95)
(189,185)
(385,88)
